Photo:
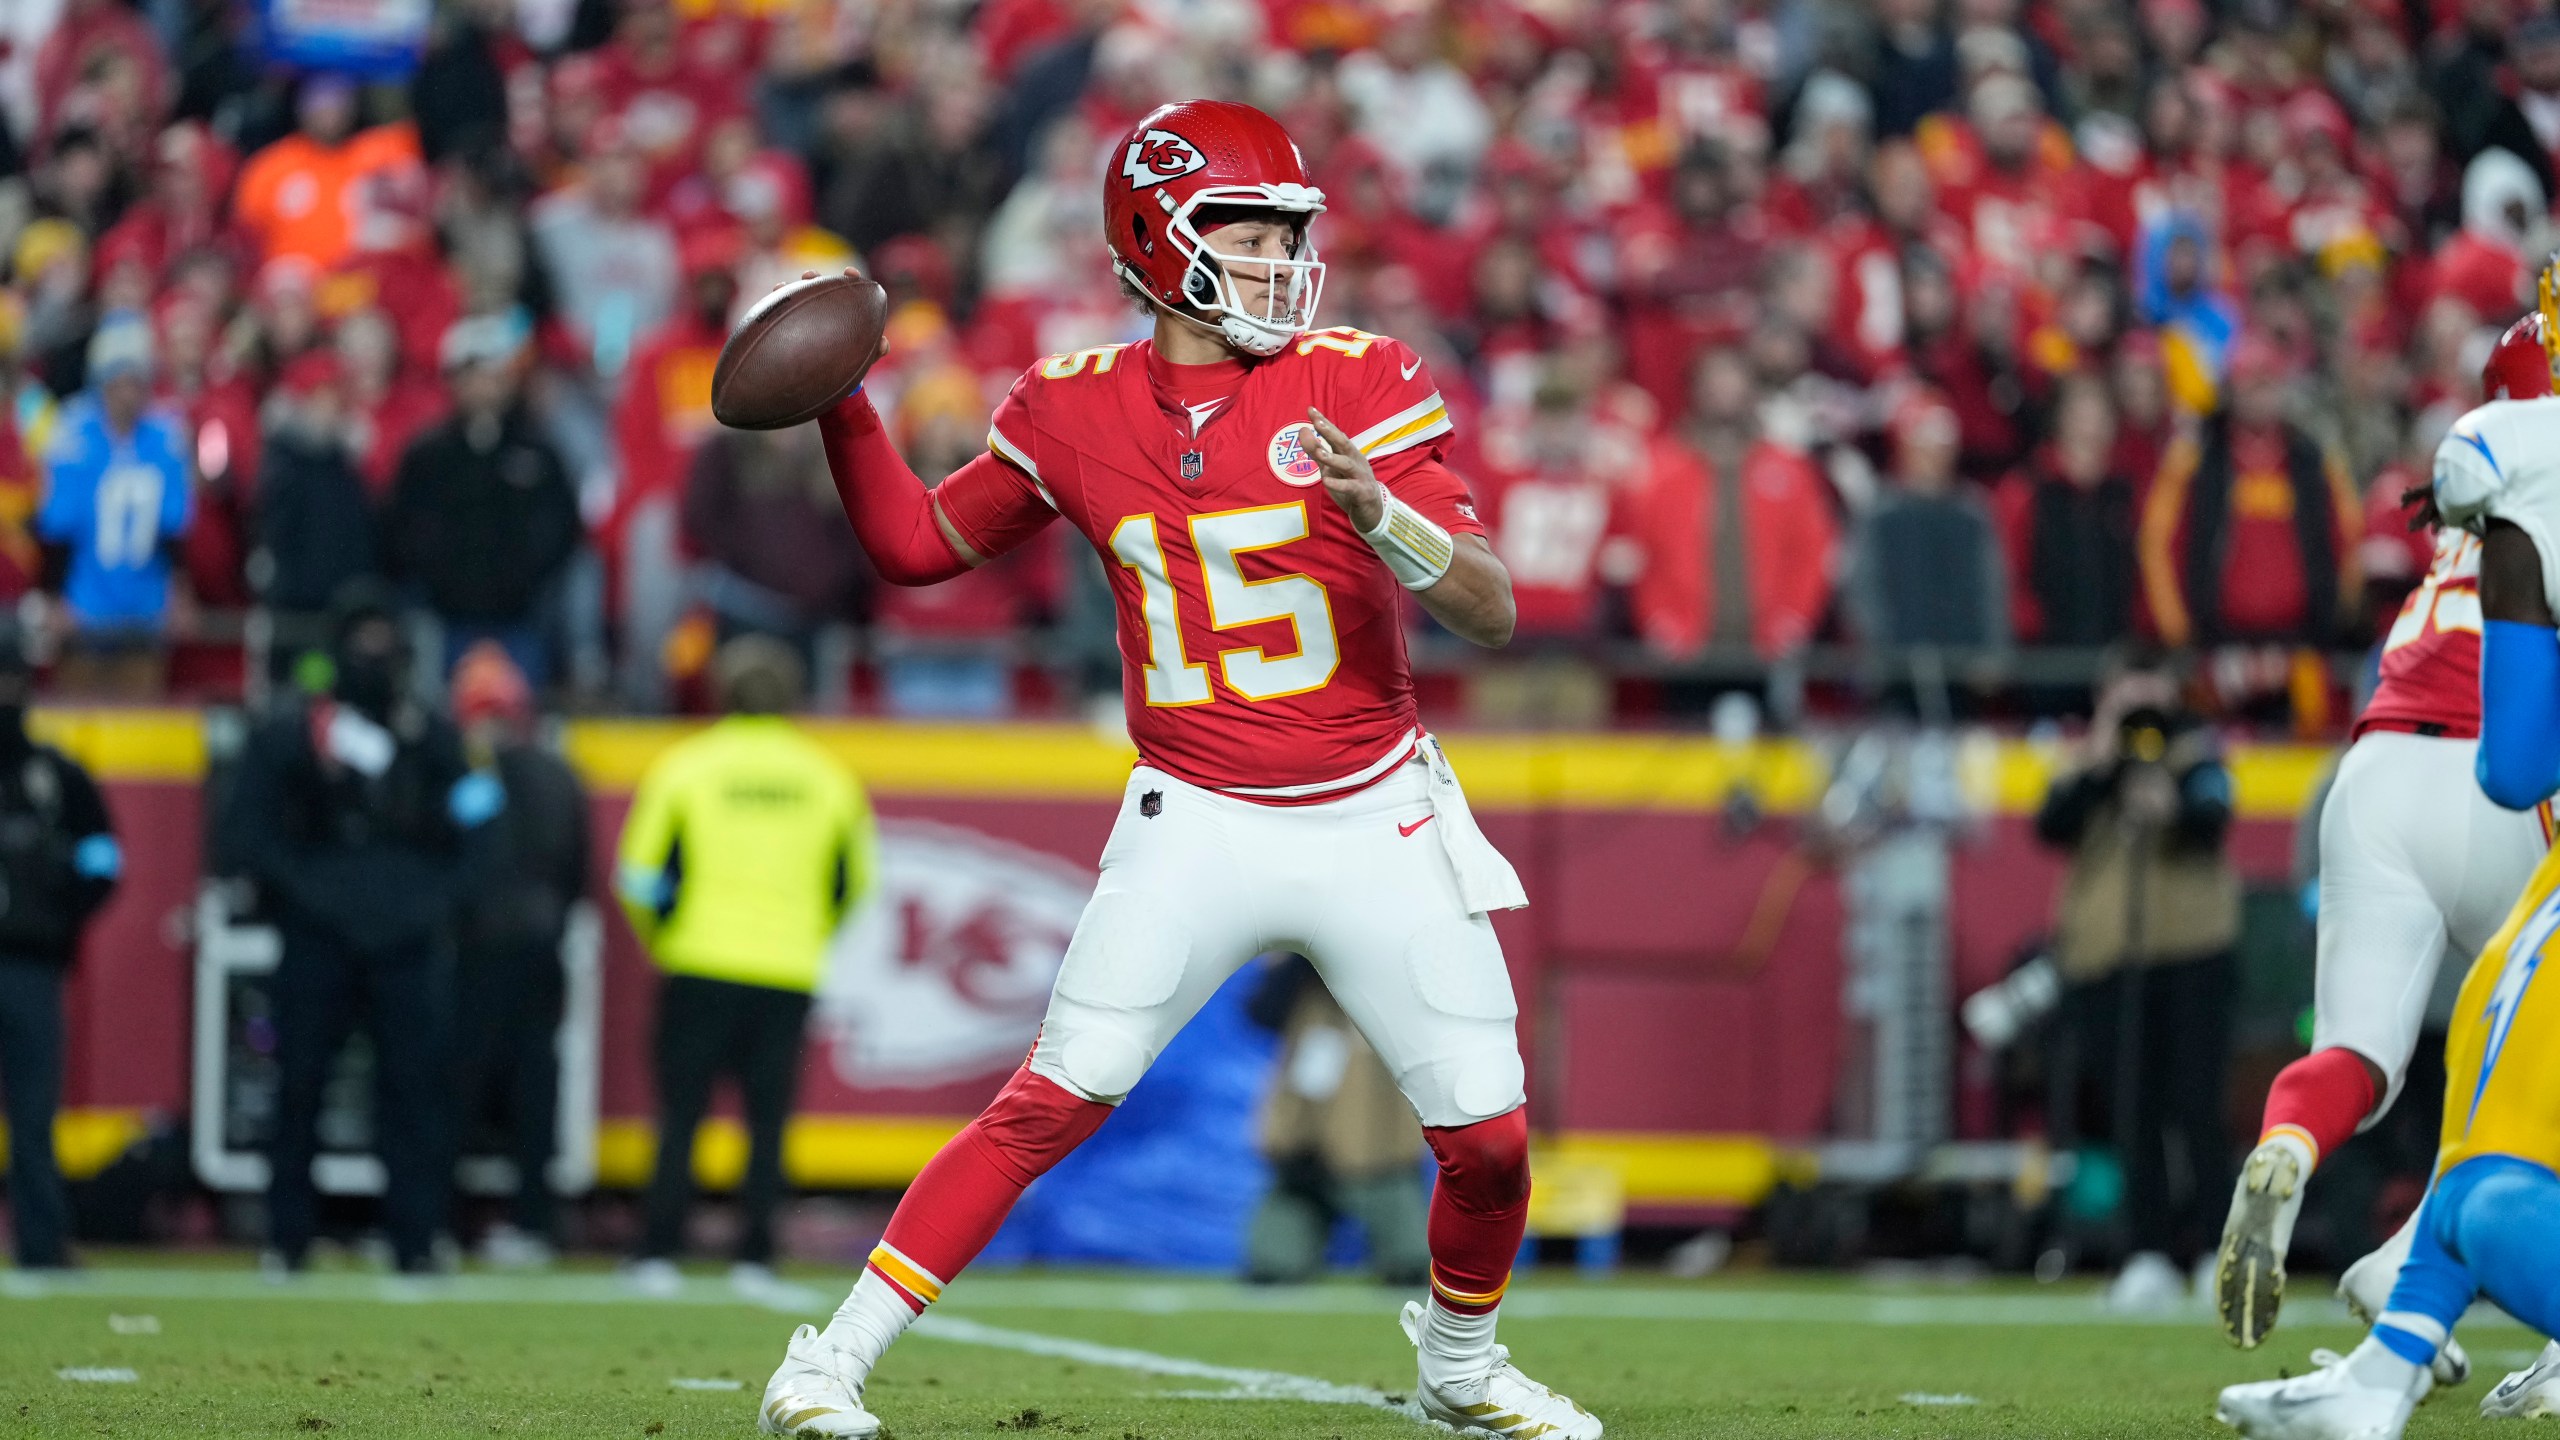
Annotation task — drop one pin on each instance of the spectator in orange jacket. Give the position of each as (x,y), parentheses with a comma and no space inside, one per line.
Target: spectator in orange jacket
(307,193)
(2249,531)
(1737,528)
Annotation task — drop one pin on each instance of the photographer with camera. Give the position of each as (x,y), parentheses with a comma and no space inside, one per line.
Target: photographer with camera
(58,864)
(2149,915)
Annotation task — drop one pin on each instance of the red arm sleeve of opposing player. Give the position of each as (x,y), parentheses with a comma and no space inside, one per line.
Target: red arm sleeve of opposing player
(993,506)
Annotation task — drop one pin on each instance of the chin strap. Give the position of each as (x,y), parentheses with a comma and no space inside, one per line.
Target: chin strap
(1252,341)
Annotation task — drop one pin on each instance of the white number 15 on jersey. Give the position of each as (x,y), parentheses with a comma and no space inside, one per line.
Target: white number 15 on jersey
(1249,670)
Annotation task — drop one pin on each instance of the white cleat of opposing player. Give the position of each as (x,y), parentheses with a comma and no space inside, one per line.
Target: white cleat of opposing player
(2532,1393)
(1503,1402)
(2333,1402)
(809,1395)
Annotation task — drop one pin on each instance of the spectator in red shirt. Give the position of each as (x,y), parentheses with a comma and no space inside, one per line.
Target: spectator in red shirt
(2505,220)
(2249,531)
(1686,273)
(665,101)
(664,410)
(386,402)
(660,417)
(1735,529)
(88,31)
(185,209)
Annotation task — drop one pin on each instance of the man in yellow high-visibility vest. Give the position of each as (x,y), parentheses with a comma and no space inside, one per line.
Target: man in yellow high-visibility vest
(745,848)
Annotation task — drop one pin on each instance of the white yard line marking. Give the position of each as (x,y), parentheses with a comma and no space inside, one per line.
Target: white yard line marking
(689,1382)
(1241,1384)
(97,1375)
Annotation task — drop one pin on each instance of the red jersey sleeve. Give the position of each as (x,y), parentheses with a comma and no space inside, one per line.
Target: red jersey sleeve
(1396,418)
(998,500)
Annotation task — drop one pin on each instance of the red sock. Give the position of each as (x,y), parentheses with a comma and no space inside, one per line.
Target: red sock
(960,1200)
(2322,1097)
(1479,1210)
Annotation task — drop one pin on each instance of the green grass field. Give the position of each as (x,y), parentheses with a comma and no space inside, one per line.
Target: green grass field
(216,1351)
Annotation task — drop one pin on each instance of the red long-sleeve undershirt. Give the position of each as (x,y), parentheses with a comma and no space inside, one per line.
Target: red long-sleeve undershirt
(992,505)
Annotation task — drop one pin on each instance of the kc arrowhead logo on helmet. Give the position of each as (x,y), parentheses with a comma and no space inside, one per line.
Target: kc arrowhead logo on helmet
(1157,156)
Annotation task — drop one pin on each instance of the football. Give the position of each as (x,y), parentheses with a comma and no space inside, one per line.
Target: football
(800,349)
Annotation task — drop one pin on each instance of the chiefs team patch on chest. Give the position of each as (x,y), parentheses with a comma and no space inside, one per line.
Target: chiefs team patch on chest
(1290,459)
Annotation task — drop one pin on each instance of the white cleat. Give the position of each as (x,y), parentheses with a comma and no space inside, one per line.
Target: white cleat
(2330,1403)
(2532,1393)
(2366,1292)
(2248,1272)
(809,1395)
(1503,1402)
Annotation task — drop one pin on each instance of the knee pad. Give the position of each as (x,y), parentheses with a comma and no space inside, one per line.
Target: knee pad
(1096,1055)
(1033,1122)
(1480,1083)
(1484,1166)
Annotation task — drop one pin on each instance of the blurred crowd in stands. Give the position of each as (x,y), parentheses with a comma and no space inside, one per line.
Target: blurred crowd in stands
(1776,327)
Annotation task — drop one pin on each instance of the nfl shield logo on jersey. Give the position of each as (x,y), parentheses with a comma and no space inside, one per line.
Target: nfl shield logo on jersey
(1290,460)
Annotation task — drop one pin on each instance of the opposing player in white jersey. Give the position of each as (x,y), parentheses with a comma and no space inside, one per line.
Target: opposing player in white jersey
(2415,863)
(2490,1226)
(1263,495)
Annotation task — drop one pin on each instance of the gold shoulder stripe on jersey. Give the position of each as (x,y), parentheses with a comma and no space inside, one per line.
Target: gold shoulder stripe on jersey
(1405,429)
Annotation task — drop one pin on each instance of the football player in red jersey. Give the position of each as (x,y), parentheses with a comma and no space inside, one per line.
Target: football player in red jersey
(1259,491)
(2415,861)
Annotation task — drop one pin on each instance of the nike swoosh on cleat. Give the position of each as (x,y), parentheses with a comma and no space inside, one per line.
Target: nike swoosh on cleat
(1407,830)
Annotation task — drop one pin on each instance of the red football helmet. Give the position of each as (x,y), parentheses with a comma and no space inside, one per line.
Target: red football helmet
(1200,154)
(2519,366)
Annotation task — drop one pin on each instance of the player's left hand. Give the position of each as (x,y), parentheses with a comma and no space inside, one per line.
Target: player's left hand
(1347,476)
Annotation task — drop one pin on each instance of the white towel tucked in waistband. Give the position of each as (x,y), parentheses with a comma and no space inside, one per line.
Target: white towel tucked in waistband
(1486,881)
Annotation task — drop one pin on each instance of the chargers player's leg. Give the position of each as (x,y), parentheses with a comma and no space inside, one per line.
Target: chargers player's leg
(1425,982)
(2476,882)
(2507,1231)
(2381,937)
(1171,918)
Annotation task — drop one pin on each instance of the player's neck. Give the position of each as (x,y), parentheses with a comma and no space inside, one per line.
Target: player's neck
(1181,342)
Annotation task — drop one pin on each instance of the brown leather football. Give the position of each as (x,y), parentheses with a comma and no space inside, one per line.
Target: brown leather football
(801,349)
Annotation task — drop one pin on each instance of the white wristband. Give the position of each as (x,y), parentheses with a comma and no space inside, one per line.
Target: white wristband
(1417,552)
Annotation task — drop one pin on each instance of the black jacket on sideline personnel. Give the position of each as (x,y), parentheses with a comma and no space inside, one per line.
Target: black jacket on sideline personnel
(482,532)
(58,856)
(377,862)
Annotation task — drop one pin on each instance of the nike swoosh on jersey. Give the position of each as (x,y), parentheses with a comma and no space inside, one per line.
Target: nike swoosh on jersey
(1407,830)
(1417,364)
